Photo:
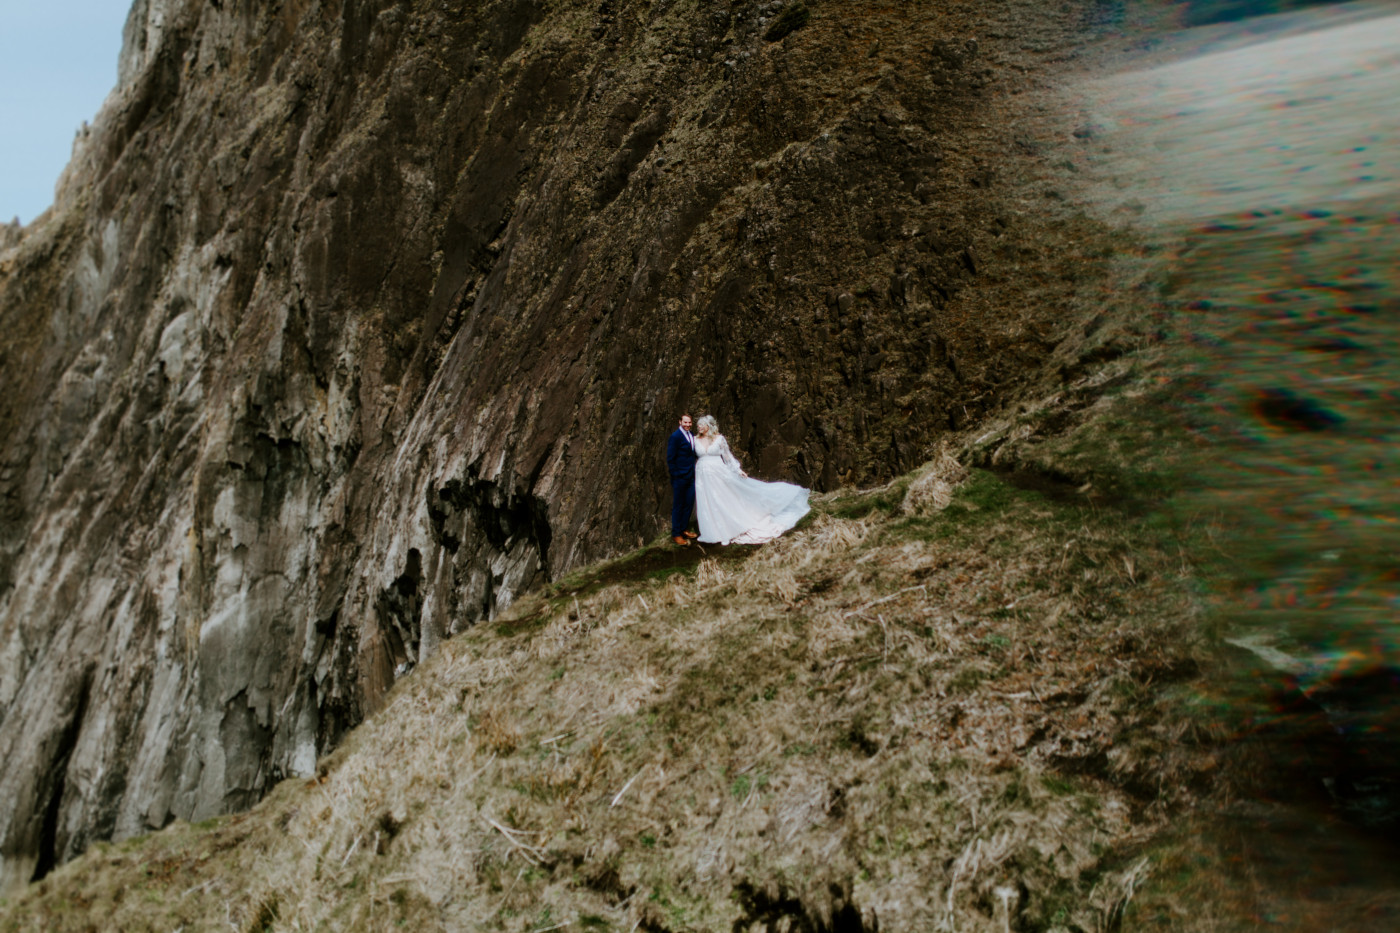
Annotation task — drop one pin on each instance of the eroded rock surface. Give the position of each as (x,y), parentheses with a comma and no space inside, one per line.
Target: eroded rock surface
(355,318)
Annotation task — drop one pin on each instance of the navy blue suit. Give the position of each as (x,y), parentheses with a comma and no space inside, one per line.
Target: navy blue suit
(680,461)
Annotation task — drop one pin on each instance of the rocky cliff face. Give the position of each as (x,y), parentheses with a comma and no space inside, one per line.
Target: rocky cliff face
(355,318)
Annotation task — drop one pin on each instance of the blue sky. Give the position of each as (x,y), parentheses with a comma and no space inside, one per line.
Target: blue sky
(58,60)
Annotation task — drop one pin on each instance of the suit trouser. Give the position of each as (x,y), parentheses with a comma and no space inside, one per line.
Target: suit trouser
(682,502)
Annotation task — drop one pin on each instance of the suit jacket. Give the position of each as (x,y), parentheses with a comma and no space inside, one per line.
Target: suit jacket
(680,456)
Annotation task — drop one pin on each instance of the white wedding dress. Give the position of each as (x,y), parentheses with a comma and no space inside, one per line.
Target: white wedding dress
(735,509)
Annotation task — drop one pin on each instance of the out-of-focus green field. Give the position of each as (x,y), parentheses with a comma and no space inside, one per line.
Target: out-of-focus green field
(1263,157)
(1293,327)
(1266,152)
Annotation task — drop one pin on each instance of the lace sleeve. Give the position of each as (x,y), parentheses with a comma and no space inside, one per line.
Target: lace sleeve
(729,459)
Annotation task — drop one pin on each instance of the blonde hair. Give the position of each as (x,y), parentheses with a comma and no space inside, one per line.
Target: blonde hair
(708,422)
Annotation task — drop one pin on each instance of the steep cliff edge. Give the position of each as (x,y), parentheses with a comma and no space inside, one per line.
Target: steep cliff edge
(353,320)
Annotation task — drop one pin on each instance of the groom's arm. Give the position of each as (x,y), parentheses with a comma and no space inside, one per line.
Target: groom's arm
(671,454)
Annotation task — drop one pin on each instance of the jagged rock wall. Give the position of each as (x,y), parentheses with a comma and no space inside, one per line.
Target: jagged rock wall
(354,318)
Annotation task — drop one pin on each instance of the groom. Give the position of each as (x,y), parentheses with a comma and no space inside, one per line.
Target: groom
(680,461)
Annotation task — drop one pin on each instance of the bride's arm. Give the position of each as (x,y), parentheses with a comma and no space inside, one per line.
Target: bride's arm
(729,459)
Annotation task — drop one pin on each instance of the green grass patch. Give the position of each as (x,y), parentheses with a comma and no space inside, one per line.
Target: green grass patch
(967,680)
(884,500)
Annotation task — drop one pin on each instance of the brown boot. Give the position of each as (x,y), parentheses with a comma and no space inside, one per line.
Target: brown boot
(683,542)
(691,535)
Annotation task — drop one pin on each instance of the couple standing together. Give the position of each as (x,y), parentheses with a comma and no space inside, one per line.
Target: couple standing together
(730,506)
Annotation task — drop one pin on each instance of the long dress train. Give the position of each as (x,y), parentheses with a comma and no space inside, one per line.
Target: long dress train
(736,509)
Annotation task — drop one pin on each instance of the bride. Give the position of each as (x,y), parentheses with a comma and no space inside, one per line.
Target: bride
(732,507)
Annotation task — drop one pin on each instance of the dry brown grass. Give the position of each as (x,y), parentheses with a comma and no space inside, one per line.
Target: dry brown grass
(932,490)
(942,719)
(495,734)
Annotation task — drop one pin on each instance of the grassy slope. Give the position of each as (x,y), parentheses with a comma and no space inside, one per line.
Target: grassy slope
(930,717)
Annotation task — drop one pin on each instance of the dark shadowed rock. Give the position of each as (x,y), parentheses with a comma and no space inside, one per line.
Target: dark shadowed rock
(1290,411)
